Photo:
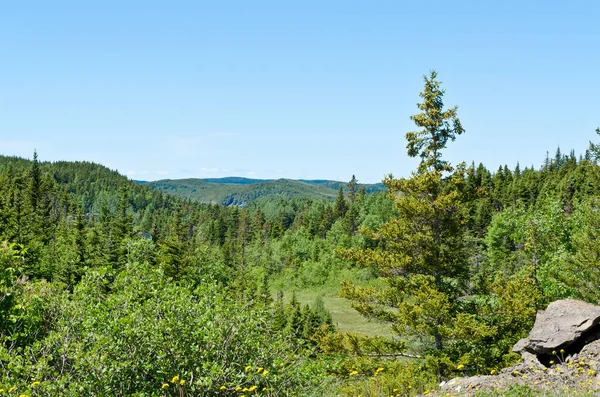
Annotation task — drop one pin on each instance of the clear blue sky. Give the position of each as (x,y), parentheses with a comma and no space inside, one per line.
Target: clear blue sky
(302,89)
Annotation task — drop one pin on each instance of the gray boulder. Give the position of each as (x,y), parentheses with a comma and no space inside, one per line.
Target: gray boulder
(591,350)
(559,326)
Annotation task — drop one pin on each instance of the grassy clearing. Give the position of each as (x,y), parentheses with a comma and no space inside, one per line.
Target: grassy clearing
(344,316)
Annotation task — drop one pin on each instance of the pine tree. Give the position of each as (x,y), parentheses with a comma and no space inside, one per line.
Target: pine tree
(35,183)
(352,189)
(264,292)
(295,325)
(80,239)
(437,127)
(422,257)
(356,200)
(172,255)
(340,207)
(279,313)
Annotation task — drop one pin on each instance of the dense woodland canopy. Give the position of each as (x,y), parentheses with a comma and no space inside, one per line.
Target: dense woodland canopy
(108,287)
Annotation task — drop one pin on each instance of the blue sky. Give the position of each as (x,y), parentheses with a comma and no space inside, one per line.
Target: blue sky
(310,89)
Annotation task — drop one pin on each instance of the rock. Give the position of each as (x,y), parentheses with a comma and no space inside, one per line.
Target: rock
(559,326)
(469,384)
(591,350)
(521,346)
(531,360)
(562,352)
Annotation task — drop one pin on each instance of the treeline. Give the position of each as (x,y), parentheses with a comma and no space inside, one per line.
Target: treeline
(67,217)
(110,288)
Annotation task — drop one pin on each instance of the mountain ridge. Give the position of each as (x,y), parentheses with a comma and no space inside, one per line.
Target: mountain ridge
(239,190)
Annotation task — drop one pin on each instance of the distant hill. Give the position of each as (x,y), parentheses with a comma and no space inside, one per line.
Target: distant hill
(239,191)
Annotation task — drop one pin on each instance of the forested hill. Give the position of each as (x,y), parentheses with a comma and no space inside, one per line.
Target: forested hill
(240,191)
(101,273)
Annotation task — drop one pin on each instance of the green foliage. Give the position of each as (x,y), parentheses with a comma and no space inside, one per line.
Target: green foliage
(108,287)
(437,127)
(580,268)
(420,253)
(134,335)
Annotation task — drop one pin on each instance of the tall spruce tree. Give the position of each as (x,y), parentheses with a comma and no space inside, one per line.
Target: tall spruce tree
(420,253)
(340,206)
(352,189)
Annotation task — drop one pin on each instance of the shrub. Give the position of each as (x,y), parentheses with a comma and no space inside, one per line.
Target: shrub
(135,336)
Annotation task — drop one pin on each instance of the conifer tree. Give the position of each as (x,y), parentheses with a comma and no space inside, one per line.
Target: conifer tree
(295,325)
(352,189)
(35,182)
(421,254)
(340,207)
(172,249)
(279,313)
(264,292)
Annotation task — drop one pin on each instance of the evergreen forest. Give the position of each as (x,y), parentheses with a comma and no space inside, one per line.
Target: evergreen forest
(109,287)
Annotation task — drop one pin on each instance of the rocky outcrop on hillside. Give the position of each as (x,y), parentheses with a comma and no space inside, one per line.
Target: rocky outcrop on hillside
(561,353)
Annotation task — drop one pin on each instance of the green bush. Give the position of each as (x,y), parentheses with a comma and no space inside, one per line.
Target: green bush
(133,337)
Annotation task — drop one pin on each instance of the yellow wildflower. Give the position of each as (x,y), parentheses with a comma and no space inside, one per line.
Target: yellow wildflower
(492,372)
(222,388)
(248,368)
(35,383)
(353,373)
(12,389)
(175,379)
(245,389)
(182,382)
(259,369)
(164,385)
(252,388)
(238,388)
(460,366)
(265,372)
